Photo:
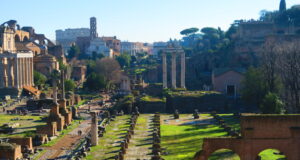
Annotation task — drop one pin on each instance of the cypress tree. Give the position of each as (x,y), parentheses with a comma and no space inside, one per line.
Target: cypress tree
(282,6)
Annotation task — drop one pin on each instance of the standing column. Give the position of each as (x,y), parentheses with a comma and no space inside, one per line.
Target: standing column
(19,73)
(173,70)
(54,90)
(23,72)
(94,129)
(5,75)
(31,72)
(182,74)
(165,78)
(27,72)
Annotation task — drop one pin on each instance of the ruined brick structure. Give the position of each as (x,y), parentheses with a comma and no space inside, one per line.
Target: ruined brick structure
(25,142)
(10,151)
(55,116)
(281,132)
(50,129)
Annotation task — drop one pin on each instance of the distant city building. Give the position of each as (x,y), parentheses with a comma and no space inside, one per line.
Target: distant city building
(133,48)
(157,47)
(68,37)
(109,46)
(98,46)
(113,43)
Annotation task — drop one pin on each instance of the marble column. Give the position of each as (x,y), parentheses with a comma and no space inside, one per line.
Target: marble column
(19,73)
(32,79)
(11,72)
(182,74)
(5,77)
(23,68)
(173,59)
(165,72)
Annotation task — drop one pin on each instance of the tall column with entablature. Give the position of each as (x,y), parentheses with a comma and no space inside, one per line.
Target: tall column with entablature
(164,66)
(173,59)
(182,74)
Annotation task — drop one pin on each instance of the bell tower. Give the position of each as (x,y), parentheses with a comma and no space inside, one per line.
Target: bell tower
(93,28)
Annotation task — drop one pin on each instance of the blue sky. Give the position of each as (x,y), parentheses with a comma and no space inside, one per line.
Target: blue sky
(133,20)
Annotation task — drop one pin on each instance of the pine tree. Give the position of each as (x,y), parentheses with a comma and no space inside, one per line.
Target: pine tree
(282,6)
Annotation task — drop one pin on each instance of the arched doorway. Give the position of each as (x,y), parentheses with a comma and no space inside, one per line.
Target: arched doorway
(26,39)
(271,154)
(17,38)
(224,154)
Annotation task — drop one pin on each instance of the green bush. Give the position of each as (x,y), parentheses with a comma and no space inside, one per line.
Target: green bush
(271,104)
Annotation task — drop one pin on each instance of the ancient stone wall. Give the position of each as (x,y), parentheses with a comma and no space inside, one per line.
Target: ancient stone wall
(12,152)
(24,142)
(187,104)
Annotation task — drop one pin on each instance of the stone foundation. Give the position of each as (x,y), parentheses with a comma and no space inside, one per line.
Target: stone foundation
(10,151)
(50,129)
(24,142)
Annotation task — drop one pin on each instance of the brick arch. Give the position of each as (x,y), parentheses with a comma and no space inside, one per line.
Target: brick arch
(223,149)
(25,38)
(17,38)
(210,145)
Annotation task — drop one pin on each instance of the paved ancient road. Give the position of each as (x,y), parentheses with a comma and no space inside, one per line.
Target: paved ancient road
(66,144)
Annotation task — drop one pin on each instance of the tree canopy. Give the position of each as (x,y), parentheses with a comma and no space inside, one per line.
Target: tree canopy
(39,78)
(189,31)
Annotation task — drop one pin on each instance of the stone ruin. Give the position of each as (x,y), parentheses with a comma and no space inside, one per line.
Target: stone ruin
(60,117)
(259,132)
(94,129)
(10,151)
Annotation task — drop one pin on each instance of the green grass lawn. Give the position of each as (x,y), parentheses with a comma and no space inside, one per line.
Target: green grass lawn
(27,124)
(110,144)
(231,121)
(183,141)
(268,154)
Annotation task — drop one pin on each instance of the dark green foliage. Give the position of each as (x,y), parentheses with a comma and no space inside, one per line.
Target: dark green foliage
(96,56)
(61,65)
(74,51)
(95,82)
(272,104)
(69,85)
(39,78)
(282,6)
(189,31)
(253,86)
(124,60)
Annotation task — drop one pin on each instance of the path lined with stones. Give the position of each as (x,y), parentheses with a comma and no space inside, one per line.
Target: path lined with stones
(141,142)
(109,144)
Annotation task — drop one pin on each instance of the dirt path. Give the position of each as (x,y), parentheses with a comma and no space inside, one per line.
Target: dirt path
(141,142)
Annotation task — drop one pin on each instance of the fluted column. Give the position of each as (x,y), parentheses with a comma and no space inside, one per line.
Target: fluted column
(31,72)
(182,74)
(11,72)
(173,70)
(19,73)
(23,67)
(164,66)
(5,77)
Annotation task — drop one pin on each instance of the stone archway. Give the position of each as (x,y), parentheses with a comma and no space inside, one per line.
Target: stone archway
(223,154)
(17,38)
(25,39)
